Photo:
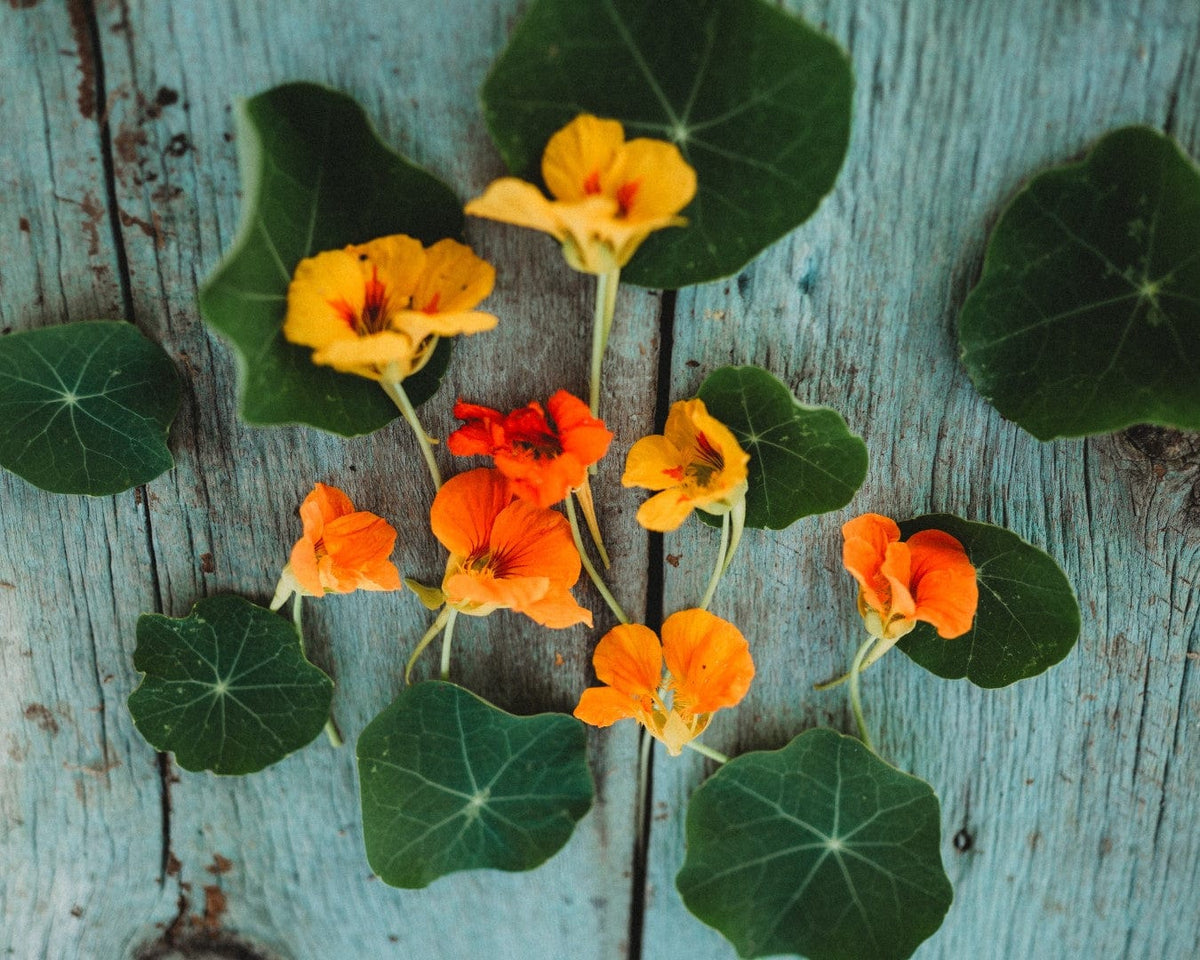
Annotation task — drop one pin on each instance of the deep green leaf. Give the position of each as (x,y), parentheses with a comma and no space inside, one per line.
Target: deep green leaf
(1087,316)
(758,102)
(226,688)
(803,460)
(315,177)
(450,782)
(85,407)
(1027,620)
(819,849)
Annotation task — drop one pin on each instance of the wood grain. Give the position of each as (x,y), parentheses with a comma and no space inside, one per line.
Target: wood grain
(1070,795)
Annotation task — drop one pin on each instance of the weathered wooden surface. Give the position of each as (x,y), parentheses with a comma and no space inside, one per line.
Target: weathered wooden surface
(118,192)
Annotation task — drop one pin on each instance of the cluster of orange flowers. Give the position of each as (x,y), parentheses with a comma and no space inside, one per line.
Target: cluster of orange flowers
(378,309)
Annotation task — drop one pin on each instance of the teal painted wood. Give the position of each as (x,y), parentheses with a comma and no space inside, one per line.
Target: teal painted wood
(1074,790)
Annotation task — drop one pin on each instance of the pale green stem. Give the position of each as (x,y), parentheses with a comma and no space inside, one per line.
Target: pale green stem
(331,730)
(643,787)
(706,751)
(855,700)
(395,390)
(434,629)
(606,303)
(877,651)
(587,565)
(719,569)
(445,672)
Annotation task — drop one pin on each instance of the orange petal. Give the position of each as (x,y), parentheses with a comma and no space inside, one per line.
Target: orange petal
(897,569)
(325,503)
(665,511)
(358,539)
(465,508)
(945,584)
(866,541)
(629,658)
(304,567)
(604,706)
(708,659)
(541,482)
(654,463)
(514,201)
(582,434)
(557,609)
(486,590)
(577,158)
(530,541)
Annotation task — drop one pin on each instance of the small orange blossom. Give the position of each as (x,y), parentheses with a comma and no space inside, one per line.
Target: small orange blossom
(609,193)
(708,667)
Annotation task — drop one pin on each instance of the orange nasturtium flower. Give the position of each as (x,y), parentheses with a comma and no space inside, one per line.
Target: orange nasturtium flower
(545,457)
(378,308)
(609,193)
(342,550)
(505,552)
(708,667)
(696,463)
(927,577)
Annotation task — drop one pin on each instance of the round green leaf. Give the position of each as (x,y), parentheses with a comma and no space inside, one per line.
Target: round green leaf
(85,407)
(1087,316)
(226,688)
(450,782)
(819,849)
(1027,619)
(757,101)
(315,177)
(803,460)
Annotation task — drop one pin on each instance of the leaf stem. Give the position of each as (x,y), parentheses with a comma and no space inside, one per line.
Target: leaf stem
(331,730)
(855,699)
(445,671)
(606,302)
(434,629)
(706,751)
(394,389)
(587,565)
(719,569)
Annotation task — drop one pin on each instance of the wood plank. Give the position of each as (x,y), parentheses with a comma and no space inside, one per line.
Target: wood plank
(1071,789)
(299,882)
(80,797)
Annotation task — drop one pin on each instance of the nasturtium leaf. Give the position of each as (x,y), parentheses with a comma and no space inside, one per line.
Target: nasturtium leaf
(757,101)
(803,460)
(85,407)
(226,688)
(819,849)
(1087,316)
(450,782)
(1027,619)
(315,177)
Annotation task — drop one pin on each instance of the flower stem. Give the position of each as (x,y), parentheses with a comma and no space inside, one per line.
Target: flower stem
(645,743)
(737,519)
(395,390)
(706,751)
(855,700)
(587,565)
(445,671)
(606,302)
(583,494)
(331,730)
(719,569)
(434,629)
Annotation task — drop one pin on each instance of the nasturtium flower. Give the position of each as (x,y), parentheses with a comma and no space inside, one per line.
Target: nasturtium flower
(697,463)
(708,667)
(377,309)
(927,577)
(505,553)
(342,549)
(609,193)
(544,452)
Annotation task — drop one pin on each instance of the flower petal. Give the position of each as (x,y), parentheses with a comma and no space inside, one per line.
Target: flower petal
(465,508)
(486,590)
(665,511)
(708,659)
(604,706)
(581,434)
(944,583)
(629,658)
(528,541)
(654,463)
(369,356)
(557,609)
(514,201)
(577,158)
(866,540)
(662,182)
(897,569)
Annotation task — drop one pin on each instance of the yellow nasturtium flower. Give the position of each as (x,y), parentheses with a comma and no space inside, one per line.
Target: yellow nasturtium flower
(609,193)
(377,309)
(696,464)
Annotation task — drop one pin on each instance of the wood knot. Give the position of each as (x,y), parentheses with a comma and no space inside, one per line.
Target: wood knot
(1164,448)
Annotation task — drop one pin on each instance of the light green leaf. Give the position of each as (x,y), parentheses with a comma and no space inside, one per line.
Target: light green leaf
(226,688)
(1027,619)
(315,177)
(450,782)
(803,460)
(1087,316)
(85,407)
(819,849)
(758,102)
